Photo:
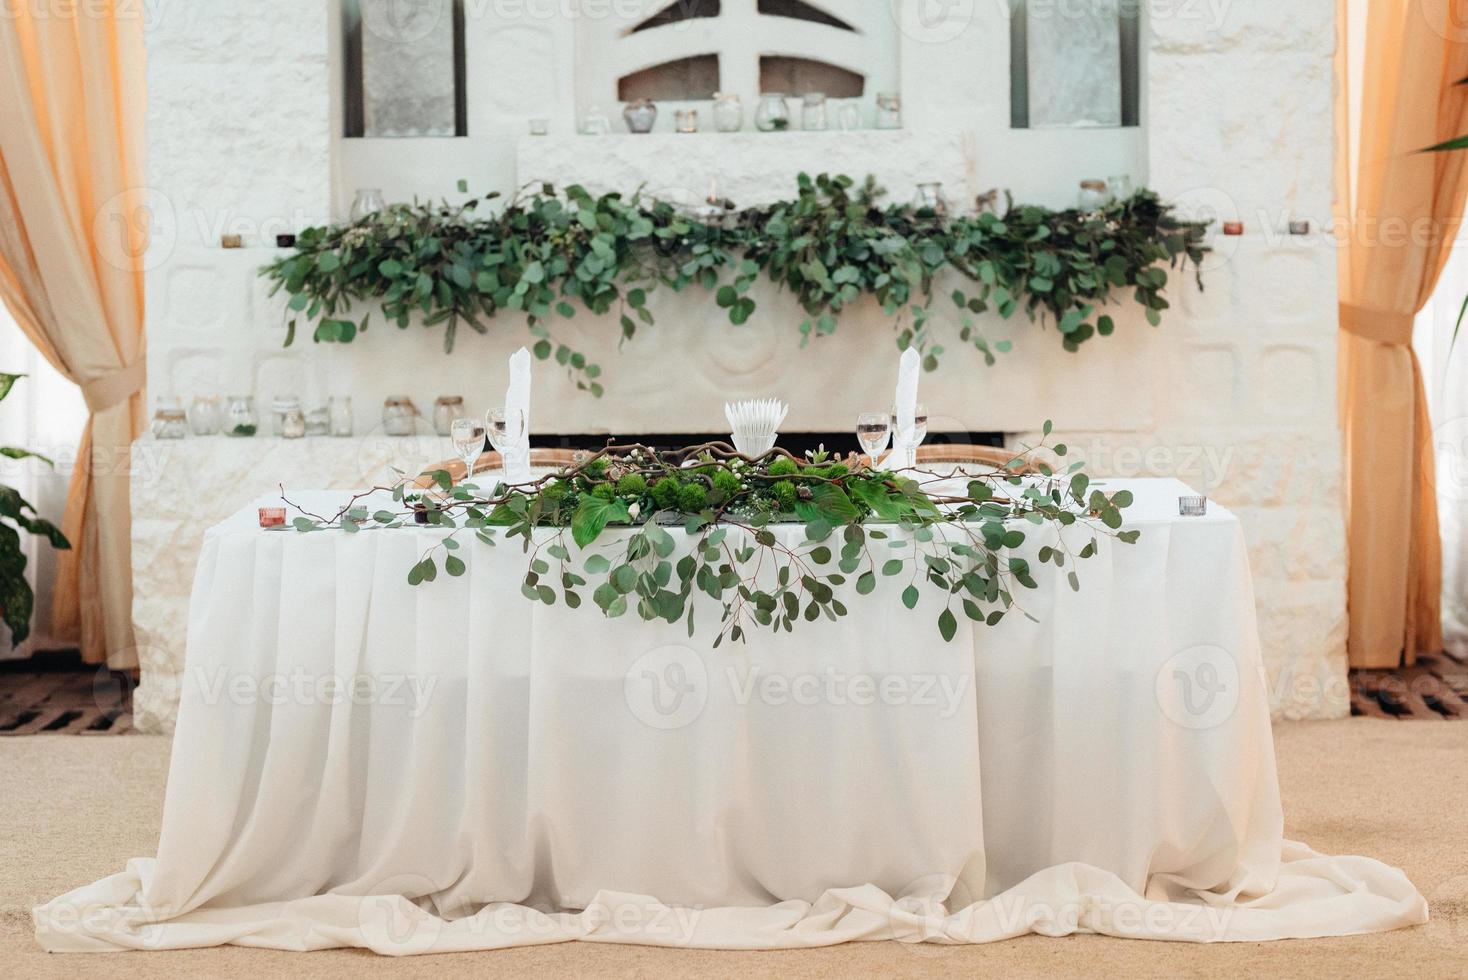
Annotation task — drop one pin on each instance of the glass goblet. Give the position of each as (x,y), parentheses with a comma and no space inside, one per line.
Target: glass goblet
(873,429)
(468,438)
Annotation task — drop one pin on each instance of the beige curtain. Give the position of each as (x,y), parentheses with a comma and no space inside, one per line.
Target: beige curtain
(71,210)
(1399,212)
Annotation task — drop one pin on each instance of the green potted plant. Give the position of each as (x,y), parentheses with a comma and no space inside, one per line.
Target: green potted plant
(16,515)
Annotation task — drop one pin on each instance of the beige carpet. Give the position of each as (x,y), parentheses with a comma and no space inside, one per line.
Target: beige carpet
(75,808)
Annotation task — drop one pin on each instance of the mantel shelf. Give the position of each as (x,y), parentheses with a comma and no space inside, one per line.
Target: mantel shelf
(751,168)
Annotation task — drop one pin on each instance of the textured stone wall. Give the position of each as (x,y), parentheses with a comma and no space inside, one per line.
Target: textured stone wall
(1234,393)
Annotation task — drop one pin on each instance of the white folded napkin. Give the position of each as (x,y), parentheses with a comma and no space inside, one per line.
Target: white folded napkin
(517,414)
(904,453)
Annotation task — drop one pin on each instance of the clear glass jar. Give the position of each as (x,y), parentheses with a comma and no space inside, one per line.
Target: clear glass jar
(1119,187)
(685,121)
(368,201)
(889,110)
(640,115)
(446,408)
(340,408)
(1092,195)
(239,417)
(813,111)
(595,123)
(204,415)
(930,199)
(287,420)
(318,421)
(399,415)
(773,114)
(728,112)
(169,420)
(848,115)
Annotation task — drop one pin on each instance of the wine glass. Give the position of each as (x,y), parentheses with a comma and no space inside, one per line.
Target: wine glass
(873,429)
(468,438)
(919,424)
(505,434)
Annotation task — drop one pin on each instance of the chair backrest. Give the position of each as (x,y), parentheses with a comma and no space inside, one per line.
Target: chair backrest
(988,456)
(545,458)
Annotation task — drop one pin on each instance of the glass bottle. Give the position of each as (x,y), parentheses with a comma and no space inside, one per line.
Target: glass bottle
(204,415)
(595,122)
(889,110)
(318,421)
(773,114)
(368,201)
(340,409)
(685,121)
(446,408)
(728,112)
(813,111)
(848,116)
(1119,187)
(239,416)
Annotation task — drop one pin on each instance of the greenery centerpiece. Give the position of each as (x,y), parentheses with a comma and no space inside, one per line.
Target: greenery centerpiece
(546,254)
(845,522)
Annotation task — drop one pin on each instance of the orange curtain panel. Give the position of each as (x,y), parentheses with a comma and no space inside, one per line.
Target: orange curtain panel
(1399,210)
(72,97)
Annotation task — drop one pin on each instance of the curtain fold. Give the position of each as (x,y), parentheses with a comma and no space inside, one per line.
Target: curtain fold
(1398,215)
(72,238)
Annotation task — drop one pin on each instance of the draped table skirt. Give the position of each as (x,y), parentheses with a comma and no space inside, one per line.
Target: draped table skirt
(359,762)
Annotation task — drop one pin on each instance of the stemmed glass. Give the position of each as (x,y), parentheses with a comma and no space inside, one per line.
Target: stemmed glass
(919,433)
(468,439)
(873,429)
(504,435)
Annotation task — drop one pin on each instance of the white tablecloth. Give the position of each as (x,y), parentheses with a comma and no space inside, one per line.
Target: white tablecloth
(363,763)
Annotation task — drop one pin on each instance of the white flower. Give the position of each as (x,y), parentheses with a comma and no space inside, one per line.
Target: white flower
(634,510)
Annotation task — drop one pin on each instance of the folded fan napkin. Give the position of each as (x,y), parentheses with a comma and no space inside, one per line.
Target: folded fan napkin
(517,418)
(903,450)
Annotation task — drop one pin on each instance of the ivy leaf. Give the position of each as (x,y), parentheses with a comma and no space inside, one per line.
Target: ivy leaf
(592,515)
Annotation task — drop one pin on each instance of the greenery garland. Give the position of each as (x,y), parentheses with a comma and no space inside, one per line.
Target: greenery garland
(17,600)
(966,546)
(544,254)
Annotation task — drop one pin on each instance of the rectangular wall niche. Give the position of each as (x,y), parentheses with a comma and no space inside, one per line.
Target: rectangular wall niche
(1074,65)
(404,68)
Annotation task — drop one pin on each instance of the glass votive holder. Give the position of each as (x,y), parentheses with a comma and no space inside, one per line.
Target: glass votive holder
(889,110)
(287,419)
(1193,506)
(318,421)
(204,415)
(169,420)
(446,408)
(399,415)
(339,407)
(539,127)
(773,113)
(272,517)
(728,112)
(239,417)
(685,120)
(848,116)
(813,111)
(1119,186)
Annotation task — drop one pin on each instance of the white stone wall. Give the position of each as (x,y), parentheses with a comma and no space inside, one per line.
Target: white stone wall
(1234,393)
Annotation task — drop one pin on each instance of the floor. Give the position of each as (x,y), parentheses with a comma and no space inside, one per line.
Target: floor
(1391,789)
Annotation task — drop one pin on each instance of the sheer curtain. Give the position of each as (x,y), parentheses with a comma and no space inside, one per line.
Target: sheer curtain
(44,413)
(1445,375)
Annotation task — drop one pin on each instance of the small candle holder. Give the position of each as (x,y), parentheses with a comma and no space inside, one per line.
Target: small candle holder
(1300,227)
(1192,506)
(685,120)
(231,241)
(285,241)
(1233,228)
(272,517)
(540,127)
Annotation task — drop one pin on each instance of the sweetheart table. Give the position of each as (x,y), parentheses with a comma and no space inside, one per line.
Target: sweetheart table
(359,762)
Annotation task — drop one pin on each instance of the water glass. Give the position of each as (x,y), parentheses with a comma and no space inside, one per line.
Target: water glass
(468,438)
(873,429)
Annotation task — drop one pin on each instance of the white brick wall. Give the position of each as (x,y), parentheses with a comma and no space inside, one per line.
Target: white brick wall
(1234,393)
